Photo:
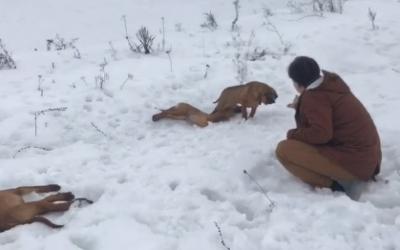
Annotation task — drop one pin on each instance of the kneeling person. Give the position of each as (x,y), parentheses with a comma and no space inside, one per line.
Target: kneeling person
(335,143)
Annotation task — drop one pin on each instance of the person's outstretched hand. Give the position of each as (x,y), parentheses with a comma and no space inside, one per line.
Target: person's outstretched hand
(294,103)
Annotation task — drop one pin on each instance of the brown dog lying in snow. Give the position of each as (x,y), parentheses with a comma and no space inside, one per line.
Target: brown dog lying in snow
(185,111)
(15,211)
(249,95)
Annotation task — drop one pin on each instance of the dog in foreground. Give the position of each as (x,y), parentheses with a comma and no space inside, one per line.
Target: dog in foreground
(15,211)
(233,100)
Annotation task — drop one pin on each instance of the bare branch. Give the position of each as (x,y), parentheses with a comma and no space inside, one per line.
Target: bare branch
(29,147)
(237,6)
(372,16)
(130,77)
(221,236)
(42,112)
(145,39)
(286,46)
(210,22)
(271,202)
(206,72)
(133,47)
(163,33)
(99,130)
(6,61)
(169,58)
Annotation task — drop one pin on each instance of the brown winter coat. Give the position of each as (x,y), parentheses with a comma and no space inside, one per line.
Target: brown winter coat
(333,119)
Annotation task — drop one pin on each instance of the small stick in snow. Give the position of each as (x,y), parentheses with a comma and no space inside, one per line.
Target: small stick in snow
(84,80)
(221,236)
(42,112)
(169,57)
(237,6)
(99,130)
(36,116)
(113,51)
(103,77)
(307,16)
(273,28)
(163,33)
(131,45)
(206,73)
(271,202)
(6,61)
(53,67)
(40,80)
(81,200)
(29,147)
(372,16)
(77,53)
(130,77)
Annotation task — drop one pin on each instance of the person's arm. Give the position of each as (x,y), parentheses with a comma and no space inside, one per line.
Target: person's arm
(294,103)
(317,111)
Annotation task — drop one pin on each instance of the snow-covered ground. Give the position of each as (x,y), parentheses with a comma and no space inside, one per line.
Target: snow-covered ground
(164,185)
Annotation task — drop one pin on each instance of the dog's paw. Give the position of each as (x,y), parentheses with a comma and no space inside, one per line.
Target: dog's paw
(68,196)
(54,187)
(156,118)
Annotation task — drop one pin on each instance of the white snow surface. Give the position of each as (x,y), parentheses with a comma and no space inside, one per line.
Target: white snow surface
(162,186)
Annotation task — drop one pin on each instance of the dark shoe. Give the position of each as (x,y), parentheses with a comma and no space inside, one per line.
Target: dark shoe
(336,187)
(353,189)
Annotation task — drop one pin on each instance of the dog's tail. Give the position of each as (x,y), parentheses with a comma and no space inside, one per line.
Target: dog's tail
(45,221)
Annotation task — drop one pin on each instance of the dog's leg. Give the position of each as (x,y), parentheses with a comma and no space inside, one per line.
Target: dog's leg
(176,113)
(244,112)
(216,117)
(30,209)
(200,120)
(158,116)
(237,109)
(28,212)
(253,111)
(38,189)
(221,116)
(59,197)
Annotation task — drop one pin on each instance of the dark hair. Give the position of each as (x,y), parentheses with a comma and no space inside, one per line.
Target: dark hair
(304,70)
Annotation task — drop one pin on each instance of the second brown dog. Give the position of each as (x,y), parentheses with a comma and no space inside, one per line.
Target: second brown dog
(249,95)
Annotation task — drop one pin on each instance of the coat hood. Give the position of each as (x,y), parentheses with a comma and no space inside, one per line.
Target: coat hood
(332,83)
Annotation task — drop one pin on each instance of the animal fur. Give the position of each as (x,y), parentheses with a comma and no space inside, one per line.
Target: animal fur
(15,211)
(185,111)
(249,95)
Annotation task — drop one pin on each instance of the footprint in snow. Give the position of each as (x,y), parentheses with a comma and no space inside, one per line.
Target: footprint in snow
(212,195)
(83,241)
(241,207)
(173,185)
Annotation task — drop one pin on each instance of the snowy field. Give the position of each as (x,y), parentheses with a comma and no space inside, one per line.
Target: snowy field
(162,186)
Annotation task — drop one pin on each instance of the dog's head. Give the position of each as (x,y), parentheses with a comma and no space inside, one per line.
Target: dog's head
(269,96)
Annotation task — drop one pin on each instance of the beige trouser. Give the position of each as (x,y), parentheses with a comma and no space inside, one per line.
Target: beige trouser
(304,161)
